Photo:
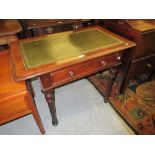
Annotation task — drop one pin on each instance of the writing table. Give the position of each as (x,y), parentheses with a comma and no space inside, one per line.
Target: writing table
(64,57)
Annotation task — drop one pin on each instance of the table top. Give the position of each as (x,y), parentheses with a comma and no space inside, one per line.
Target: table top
(9,27)
(36,56)
(141,25)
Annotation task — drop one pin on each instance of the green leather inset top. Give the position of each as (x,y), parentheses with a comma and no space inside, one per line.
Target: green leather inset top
(63,46)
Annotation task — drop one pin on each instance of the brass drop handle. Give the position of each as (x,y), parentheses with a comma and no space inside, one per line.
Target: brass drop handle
(118,57)
(103,62)
(71,73)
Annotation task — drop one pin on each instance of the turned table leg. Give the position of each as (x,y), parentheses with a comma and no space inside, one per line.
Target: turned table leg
(112,76)
(50,98)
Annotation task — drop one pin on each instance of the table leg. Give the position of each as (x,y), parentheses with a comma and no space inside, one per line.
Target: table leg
(33,107)
(50,98)
(112,76)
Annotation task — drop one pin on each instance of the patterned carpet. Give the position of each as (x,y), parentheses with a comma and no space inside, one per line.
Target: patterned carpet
(138,113)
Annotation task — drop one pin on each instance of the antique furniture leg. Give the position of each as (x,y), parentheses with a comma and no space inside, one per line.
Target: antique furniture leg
(123,70)
(151,71)
(32,105)
(151,75)
(35,113)
(30,87)
(125,81)
(49,93)
(112,76)
(50,98)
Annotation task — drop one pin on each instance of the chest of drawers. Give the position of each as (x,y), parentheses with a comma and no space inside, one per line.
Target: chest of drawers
(142,58)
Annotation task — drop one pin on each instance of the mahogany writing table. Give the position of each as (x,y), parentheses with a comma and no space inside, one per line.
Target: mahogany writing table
(61,58)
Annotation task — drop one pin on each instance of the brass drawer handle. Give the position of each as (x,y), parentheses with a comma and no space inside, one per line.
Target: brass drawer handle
(74,26)
(103,62)
(49,30)
(118,58)
(71,73)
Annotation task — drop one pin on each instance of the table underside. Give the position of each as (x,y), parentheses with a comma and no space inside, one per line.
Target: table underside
(63,46)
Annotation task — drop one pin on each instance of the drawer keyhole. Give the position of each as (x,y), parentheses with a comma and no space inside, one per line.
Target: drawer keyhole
(71,73)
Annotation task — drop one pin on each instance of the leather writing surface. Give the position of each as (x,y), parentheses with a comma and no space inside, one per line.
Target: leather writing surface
(63,46)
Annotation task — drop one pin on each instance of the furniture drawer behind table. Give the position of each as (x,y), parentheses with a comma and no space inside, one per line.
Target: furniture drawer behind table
(142,66)
(83,69)
(151,62)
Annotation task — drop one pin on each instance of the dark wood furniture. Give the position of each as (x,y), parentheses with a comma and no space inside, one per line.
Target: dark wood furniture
(37,27)
(15,99)
(142,58)
(64,57)
(9,28)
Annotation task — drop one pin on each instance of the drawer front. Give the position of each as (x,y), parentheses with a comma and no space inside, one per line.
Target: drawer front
(66,21)
(13,107)
(142,66)
(151,62)
(56,25)
(144,41)
(84,69)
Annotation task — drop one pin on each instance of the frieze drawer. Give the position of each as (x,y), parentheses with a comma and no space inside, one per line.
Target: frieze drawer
(83,69)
